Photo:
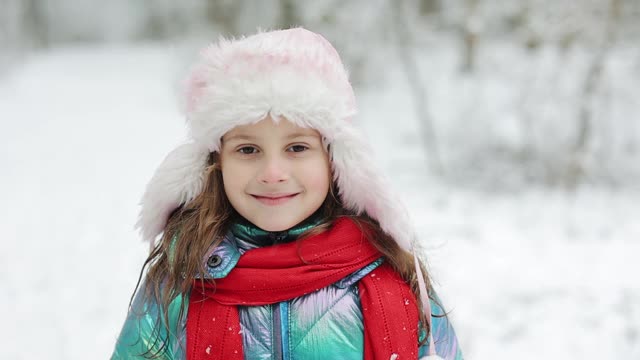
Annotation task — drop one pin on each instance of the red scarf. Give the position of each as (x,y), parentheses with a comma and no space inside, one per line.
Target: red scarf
(281,272)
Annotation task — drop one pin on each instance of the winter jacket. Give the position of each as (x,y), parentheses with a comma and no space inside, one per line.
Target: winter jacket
(326,324)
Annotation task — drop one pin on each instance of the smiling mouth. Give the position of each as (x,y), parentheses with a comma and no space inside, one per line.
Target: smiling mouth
(275,200)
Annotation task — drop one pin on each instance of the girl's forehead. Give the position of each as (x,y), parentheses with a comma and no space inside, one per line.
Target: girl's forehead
(268,128)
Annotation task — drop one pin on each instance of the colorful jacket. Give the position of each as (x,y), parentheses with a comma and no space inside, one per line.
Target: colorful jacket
(326,324)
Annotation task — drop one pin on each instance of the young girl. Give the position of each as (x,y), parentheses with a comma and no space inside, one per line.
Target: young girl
(280,239)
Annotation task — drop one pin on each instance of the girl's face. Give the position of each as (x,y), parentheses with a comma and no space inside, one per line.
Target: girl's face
(275,175)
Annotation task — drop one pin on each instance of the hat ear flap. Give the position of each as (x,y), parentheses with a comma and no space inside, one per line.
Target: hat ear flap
(364,188)
(178,179)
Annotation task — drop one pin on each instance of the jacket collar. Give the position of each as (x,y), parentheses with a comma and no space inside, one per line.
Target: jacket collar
(249,236)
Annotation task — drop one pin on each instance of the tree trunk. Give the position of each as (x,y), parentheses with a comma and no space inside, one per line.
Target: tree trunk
(288,14)
(429,7)
(36,22)
(469,37)
(412,70)
(224,14)
(576,169)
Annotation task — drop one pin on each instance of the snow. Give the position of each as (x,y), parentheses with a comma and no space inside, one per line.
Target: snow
(526,274)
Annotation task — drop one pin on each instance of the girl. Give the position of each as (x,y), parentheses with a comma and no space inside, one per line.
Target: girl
(280,240)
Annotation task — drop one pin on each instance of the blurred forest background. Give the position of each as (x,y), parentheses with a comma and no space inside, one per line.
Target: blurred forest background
(544,91)
(511,129)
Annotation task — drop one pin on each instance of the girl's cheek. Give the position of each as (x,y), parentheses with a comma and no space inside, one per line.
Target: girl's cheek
(318,173)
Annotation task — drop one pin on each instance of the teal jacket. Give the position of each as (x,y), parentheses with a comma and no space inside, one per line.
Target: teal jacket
(326,324)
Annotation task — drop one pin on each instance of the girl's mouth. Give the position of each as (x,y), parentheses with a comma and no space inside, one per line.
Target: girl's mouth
(268,200)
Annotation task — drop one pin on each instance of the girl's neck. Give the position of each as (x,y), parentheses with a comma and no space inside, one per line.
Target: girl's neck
(242,229)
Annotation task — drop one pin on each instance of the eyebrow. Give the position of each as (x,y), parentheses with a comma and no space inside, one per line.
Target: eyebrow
(252,138)
(239,137)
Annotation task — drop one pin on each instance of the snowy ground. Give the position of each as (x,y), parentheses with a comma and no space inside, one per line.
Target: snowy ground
(531,274)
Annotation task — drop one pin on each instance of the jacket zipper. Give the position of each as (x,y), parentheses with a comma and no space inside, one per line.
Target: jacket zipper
(280,332)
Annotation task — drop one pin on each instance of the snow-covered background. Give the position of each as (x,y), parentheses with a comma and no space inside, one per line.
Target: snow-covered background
(528,268)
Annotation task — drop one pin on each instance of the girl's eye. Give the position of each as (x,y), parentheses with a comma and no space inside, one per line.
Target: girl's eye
(298,148)
(243,150)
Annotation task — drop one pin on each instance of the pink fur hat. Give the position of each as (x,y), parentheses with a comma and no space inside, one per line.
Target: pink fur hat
(292,73)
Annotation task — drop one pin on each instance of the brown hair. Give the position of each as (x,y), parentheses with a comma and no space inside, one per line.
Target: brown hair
(202,223)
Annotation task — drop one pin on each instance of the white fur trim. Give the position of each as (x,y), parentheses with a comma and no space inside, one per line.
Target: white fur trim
(178,179)
(292,73)
(431,357)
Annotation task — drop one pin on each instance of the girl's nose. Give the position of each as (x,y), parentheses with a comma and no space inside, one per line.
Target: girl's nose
(274,170)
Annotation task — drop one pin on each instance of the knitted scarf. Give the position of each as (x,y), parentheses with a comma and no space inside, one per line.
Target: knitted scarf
(281,272)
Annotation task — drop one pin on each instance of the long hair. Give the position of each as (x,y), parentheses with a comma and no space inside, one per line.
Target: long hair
(195,227)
